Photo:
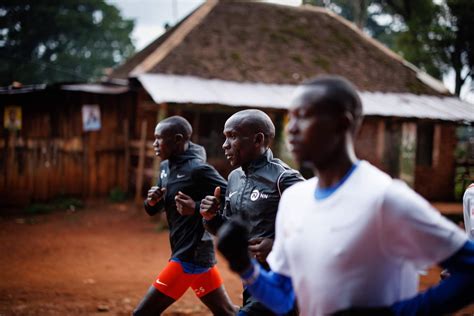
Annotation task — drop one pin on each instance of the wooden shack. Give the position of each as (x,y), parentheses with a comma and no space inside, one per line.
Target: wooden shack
(51,154)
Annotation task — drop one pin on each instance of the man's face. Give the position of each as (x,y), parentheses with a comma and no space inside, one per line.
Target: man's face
(312,131)
(165,142)
(239,148)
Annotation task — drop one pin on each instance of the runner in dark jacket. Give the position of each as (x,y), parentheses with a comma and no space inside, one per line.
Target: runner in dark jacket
(254,189)
(184,180)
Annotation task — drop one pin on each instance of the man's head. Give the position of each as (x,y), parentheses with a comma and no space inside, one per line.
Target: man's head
(172,136)
(248,134)
(325,114)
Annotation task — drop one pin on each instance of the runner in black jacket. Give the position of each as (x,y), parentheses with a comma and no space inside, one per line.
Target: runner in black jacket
(254,189)
(185,179)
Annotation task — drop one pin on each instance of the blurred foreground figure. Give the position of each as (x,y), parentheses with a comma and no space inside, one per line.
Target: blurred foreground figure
(350,242)
(184,180)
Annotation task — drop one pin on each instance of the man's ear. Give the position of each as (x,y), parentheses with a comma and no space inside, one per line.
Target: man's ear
(178,138)
(346,121)
(259,138)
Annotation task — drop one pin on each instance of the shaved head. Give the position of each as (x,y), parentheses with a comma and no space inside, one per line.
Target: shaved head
(255,121)
(177,125)
(335,95)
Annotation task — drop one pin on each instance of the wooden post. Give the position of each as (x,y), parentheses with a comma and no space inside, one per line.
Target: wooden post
(408,153)
(126,140)
(85,165)
(141,164)
(161,115)
(10,161)
(197,117)
(380,142)
(436,146)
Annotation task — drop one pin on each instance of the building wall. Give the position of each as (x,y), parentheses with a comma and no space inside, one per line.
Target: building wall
(370,141)
(378,142)
(436,182)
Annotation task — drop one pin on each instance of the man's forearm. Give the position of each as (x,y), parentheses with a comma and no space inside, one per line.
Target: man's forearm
(214,224)
(273,290)
(451,294)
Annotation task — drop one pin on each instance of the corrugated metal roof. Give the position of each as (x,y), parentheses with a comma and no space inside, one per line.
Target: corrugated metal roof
(95,88)
(188,89)
(22,89)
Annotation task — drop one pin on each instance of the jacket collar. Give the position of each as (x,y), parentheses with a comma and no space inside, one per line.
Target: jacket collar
(259,162)
(194,151)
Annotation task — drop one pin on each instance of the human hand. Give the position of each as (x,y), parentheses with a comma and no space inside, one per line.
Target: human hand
(184,204)
(232,242)
(260,247)
(210,204)
(155,194)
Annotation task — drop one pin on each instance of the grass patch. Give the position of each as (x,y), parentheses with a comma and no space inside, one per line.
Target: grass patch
(117,195)
(59,203)
(321,62)
(297,31)
(278,37)
(297,58)
(235,56)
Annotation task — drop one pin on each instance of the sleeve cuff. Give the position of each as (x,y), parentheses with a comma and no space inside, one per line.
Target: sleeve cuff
(251,275)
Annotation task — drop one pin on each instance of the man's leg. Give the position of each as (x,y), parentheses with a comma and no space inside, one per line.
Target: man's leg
(208,287)
(153,304)
(219,302)
(169,286)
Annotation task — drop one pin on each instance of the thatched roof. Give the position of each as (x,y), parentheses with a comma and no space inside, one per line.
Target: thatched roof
(246,41)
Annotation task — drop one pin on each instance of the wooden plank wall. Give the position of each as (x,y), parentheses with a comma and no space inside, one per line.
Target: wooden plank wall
(52,156)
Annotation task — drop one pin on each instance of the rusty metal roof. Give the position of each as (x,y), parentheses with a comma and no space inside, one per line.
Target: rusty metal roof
(189,89)
(95,88)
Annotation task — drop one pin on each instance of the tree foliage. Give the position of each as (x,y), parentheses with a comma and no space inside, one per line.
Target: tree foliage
(435,36)
(459,46)
(59,41)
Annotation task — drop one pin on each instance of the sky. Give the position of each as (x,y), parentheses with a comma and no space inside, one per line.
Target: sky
(151,15)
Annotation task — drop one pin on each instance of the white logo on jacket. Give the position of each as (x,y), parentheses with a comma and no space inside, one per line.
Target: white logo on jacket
(163,174)
(256,194)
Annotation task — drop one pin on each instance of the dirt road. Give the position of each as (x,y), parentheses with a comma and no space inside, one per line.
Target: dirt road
(94,261)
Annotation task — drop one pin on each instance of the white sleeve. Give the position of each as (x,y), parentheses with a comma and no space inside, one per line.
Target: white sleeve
(277,258)
(413,230)
(468,210)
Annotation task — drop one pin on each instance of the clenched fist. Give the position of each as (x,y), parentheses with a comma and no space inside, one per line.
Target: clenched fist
(210,204)
(155,194)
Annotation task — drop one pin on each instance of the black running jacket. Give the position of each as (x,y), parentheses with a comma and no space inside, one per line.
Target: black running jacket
(190,174)
(254,194)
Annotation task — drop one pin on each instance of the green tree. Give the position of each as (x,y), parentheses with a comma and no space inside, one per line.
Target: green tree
(435,36)
(59,41)
(459,43)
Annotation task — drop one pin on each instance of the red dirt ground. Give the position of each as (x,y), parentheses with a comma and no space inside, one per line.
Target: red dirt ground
(95,261)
